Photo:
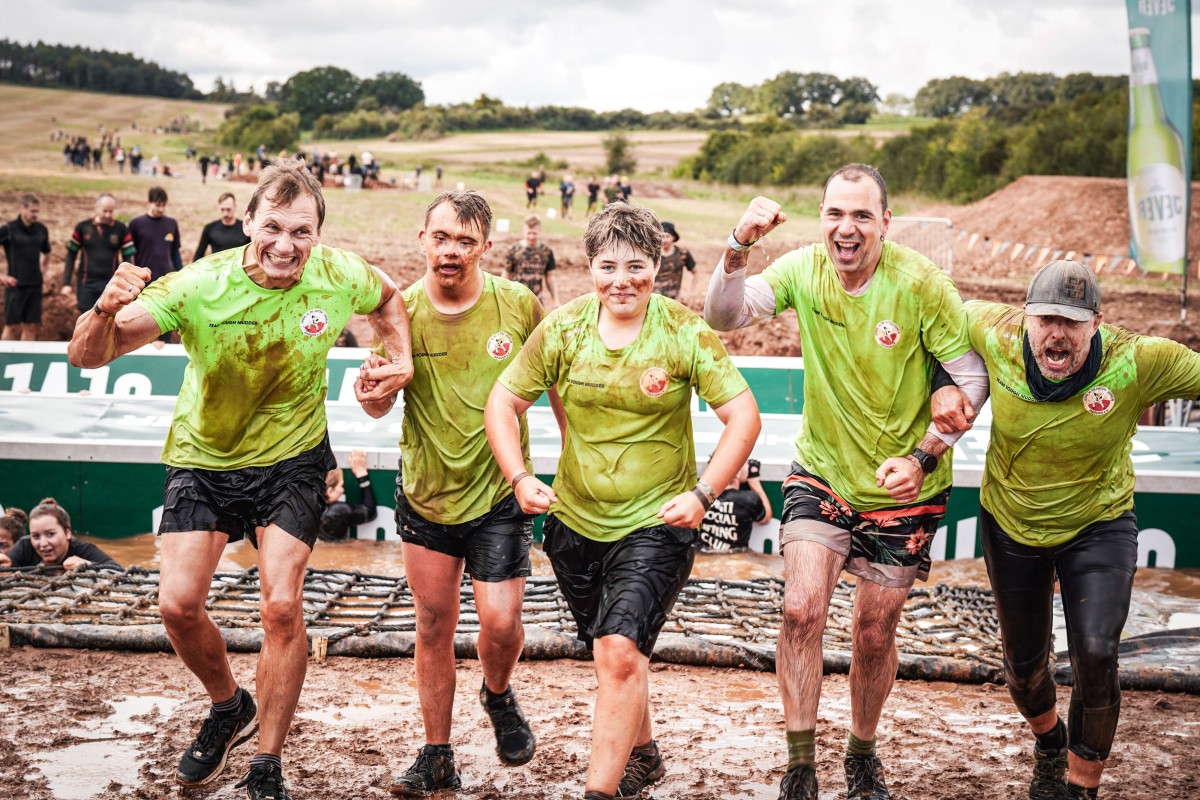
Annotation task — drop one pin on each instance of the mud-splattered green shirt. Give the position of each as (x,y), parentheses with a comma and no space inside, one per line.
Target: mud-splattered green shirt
(254,389)
(1052,469)
(629,422)
(450,475)
(867,364)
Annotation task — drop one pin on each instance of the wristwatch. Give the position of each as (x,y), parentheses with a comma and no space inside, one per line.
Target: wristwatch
(928,462)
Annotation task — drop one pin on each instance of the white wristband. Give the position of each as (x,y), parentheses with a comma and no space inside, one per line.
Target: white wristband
(735,245)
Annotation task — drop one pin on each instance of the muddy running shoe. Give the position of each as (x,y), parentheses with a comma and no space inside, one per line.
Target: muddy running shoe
(205,757)
(264,782)
(644,767)
(433,770)
(864,779)
(1049,767)
(515,742)
(800,783)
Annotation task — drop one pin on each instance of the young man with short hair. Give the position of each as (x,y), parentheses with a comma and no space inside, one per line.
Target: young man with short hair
(26,245)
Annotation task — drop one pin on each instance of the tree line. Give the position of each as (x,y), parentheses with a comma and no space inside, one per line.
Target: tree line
(73,67)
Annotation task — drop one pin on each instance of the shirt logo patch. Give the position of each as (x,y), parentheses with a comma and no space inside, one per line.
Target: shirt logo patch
(112,239)
(499,345)
(654,381)
(170,237)
(887,333)
(314,322)
(1099,400)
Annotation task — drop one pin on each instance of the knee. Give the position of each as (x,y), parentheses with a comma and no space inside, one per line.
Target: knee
(804,616)
(618,660)
(1094,658)
(281,613)
(181,612)
(874,639)
(505,632)
(435,623)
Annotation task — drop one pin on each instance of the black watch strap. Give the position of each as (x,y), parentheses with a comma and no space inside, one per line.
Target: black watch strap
(928,462)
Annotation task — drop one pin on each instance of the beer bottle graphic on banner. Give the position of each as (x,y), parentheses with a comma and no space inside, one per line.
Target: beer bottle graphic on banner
(1157,187)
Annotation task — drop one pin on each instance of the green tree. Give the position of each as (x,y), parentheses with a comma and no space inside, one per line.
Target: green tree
(260,125)
(618,154)
(394,90)
(949,97)
(323,90)
(730,99)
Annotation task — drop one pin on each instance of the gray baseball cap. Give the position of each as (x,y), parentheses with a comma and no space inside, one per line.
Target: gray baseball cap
(1063,289)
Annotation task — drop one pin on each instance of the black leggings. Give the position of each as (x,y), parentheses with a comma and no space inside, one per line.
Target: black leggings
(1095,573)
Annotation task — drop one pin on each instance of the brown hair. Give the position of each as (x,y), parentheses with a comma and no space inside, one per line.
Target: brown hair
(15,521)
(854,173)
(30,199)
(470,206)
(284,181)
(532,221)
(158,195)
(49,507)
(226,196)
(635,226)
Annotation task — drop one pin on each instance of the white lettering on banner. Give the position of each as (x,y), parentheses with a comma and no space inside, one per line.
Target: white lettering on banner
(20,375)
(134,384)
(964,537)
(346,394)
(1156,8)
(1159,542)
(56,378)
(384,524)
(97,379)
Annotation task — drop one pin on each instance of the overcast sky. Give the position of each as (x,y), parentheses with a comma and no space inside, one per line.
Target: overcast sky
(601,54)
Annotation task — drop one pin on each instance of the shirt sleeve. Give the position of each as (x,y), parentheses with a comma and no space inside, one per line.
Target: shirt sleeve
(1167,369)
(735,301)
(204,244)
(944,321)
(534,370)
(45,239)
(716,379)
(550,261)
(689,261)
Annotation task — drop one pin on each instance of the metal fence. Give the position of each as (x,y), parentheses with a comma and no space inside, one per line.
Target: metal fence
(932,237)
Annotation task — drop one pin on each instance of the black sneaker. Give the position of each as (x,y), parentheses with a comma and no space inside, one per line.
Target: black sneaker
(205,757)
(644,767)
(1049,771)
(264,782)
(800,783)
(515,742)
(433,770)
(864,779)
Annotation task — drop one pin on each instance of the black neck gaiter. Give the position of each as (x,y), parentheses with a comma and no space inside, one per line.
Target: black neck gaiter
(1045,390)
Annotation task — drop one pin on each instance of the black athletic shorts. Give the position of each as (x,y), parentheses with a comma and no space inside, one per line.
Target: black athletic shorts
(495,545)
(626,587)
(22,305)
(88,295)
(290,494)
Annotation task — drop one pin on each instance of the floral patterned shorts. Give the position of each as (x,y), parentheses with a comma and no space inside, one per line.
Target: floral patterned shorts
(888,546)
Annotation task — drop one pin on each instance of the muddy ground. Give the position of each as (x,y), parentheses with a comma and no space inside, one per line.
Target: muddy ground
(112,725)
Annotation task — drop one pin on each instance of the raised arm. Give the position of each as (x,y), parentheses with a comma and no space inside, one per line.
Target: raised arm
(732,301)
(114,326)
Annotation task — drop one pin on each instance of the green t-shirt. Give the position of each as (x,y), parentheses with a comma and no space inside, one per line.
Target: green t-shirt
(1052,469)
(629,411)
(868,361)
(450,475)
(253,392)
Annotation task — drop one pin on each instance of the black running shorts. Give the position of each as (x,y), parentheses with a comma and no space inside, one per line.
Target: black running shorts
(23,305)
(495,545)
(290,494)
(626,587)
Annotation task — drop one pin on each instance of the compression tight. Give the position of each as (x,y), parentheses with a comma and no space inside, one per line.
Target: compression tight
(1095,573)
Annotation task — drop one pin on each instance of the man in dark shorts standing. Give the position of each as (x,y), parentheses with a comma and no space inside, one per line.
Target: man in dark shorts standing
(98,244)
(675,260)
(532,263)
(248,450)
(453,505)
(533,186)
(26,245)
(726,526)
(868,486)
(593,188)
(1057,503)
(225,233)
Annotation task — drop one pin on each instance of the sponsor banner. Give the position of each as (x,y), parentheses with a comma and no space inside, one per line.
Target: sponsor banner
(99,457)
(1160,132)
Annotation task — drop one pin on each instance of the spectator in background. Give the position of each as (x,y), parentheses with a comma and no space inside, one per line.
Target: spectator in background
(593,188)
(156,239)
(624,188)
(532,186)
(225,233)
(675,260)
(346,338)
(99,244)
(204,162)
(567,190)
(340,516)
(727,525)
(26,245)
(13,525)
(531,263)
(51,544)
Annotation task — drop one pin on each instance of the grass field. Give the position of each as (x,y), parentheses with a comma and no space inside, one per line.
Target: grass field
(492,162)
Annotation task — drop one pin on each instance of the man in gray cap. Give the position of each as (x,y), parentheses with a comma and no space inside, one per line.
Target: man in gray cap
(1057,501)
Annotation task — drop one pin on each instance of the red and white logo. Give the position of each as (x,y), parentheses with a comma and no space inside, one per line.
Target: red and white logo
(1098,400)
(654,381)
(887,333)
(499,345)
(314,322)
